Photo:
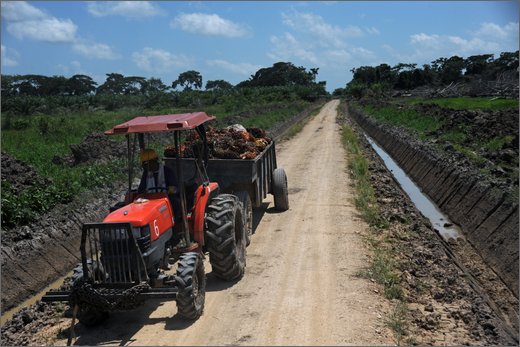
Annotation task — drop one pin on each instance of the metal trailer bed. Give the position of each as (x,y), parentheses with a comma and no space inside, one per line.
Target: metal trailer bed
(253,176)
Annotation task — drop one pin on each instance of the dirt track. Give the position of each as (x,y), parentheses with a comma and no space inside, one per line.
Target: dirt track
(300,286)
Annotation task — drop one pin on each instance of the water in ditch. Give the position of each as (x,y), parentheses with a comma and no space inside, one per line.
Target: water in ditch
(32,300)
(439,220)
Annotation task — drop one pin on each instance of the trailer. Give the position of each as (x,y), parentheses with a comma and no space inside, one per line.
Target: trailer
(249,179)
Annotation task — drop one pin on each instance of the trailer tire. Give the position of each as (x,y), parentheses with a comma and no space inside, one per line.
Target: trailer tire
(280,190)
(89,316)
(226,237)
(247,208)
(191,283)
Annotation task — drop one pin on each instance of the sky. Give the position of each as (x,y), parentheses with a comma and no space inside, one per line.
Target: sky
(231,40)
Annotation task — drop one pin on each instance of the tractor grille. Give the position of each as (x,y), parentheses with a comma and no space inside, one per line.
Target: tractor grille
(115,256)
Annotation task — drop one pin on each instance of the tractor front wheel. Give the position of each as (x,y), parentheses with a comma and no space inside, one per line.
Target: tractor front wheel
(226,237)
(89,316)
(191,283)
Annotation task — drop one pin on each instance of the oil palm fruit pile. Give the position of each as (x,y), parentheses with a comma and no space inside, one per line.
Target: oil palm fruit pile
(233,142)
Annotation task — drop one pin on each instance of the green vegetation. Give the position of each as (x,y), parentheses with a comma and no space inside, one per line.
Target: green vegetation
(358,167)
(411,119)
(469,103)
(496,143)
(477,71)
(397,321)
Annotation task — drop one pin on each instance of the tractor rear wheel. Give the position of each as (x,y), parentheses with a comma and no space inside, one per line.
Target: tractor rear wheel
(247,209)
(226,237)
(191,283)
(280,190)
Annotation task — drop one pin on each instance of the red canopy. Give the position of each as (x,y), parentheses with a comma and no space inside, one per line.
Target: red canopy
(167,122)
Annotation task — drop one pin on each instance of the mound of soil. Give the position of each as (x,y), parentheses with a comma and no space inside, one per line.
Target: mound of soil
(95,147)
(20,175)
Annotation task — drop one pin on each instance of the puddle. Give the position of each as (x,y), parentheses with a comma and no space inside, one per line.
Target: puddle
(428,208)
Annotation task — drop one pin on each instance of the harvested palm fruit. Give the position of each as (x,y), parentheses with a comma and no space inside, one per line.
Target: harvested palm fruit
(233,142)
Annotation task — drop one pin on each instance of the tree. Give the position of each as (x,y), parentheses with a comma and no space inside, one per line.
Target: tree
(477,64)
(189,80)
(218,85)
(81,85)
(507,61)
(452,69)
(114,84)
(133,85)
(281,74)
(153,85)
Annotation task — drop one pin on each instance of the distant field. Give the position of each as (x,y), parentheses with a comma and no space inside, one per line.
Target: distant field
(468,103)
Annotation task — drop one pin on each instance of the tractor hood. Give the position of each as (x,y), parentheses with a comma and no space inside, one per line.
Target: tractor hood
(142,212)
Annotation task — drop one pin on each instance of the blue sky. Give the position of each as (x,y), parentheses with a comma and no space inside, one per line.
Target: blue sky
(232,40)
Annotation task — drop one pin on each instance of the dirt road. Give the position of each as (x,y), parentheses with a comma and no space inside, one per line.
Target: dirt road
(300,286)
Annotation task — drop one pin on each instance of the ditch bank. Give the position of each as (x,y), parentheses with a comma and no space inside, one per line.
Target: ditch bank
(486,213)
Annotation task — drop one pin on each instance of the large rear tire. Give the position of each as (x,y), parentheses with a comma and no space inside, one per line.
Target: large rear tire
(247,208)
(280,190)
(191,283)
(226,237)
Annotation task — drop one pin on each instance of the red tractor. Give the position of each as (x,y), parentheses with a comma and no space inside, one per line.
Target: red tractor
(127,258)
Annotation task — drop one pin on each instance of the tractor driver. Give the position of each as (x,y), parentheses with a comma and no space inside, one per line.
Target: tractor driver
(158,178)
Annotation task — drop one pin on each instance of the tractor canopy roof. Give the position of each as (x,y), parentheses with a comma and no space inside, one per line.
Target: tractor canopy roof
(168,122)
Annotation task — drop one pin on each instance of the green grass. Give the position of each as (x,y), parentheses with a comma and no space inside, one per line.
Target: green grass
(454,136)
(463,103)
(365,199)
(397,321)
(497,143)
(403,117)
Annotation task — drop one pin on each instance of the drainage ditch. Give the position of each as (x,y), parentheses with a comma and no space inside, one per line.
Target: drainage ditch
(487,215)
(439,220)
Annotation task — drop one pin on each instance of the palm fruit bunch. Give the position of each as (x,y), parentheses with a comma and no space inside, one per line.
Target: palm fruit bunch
(233,142)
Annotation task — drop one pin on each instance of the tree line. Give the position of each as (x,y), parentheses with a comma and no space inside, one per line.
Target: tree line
(280,74)
(442,71)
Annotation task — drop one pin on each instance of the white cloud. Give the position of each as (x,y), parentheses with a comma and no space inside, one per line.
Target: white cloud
(494,31)
(430,41)
(372,31)
(9,56)
(47,30)
(244,69)
(17,11)
(130,9)
(95,50)
(26,21)
(288,47)
(316,26)
(158,60)
(488,38)
(208,24)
